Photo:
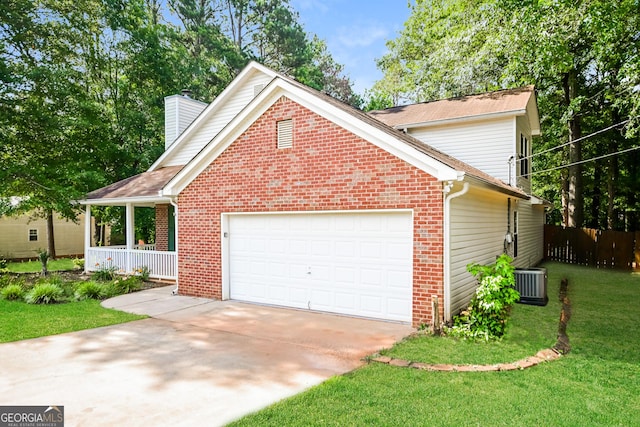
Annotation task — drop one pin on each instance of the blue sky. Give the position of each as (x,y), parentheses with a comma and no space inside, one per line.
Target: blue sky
(355,32)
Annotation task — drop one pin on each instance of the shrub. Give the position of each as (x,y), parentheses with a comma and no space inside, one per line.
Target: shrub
(6,280)
(143,272)
(90,290)
(43,256)
(13,292)
(45,293)
(126,285)
(486,317)
(78,263)
(105,273)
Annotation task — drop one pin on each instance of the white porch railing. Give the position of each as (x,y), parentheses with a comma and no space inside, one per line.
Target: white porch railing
(145,247)
(161,265)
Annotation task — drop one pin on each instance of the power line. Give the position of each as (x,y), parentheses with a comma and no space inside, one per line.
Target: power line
(585,161)
(582,138)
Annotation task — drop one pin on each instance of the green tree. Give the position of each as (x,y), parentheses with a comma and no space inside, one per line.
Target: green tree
(583,58)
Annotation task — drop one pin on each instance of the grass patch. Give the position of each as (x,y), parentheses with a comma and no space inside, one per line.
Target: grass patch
(22,321)
(596,384)
(62,264)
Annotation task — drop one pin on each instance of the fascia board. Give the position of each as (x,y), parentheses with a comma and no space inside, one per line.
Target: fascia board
(466,119)
(271,94)
(485,184)
(534,115)
(149,201)
(227,93)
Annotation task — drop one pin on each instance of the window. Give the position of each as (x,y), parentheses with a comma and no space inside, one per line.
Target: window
(33,235)
(515,234)
(285,133)
(524,157)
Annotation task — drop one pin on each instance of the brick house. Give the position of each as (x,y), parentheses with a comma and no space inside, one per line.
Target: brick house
(276,193)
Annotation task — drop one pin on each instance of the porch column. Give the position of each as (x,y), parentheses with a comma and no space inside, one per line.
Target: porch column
(87,235)
(162,227)
(131,234)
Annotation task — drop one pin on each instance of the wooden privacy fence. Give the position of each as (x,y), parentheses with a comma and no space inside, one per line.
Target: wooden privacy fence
(586,246)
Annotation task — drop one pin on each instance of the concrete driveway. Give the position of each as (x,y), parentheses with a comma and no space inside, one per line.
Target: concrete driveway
(195,362)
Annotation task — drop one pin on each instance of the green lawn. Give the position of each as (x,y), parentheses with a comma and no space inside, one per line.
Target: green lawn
(62,264)
(597,384)
(22,321)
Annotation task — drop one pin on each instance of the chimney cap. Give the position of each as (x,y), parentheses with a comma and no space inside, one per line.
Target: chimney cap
(186,93)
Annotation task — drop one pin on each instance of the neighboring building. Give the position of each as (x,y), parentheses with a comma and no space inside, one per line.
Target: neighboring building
(283,195)
(22,236)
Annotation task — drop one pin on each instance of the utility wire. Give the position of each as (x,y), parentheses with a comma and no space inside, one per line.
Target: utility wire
(585,161)
(581,138)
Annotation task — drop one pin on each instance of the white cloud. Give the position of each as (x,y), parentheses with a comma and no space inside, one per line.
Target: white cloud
(361,36)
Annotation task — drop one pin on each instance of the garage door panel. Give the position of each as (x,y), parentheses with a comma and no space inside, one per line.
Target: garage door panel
(398,280)
(349,263)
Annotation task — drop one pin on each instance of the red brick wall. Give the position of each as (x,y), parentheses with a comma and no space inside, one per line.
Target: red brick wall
(328,168)
(162,227)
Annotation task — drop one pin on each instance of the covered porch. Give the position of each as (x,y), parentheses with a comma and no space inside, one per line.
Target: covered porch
(158,258)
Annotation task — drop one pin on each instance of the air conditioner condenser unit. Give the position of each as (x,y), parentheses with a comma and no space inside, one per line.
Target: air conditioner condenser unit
(531,283)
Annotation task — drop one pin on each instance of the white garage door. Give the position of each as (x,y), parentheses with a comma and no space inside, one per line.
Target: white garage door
(350,263)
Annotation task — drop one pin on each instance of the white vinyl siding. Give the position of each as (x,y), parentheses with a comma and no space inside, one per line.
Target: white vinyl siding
(486,145)
(531,221)
(523,131)
(180,111)
(478,228)
(209,129)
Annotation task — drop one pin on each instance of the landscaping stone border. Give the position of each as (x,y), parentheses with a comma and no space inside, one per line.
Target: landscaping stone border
(545,355)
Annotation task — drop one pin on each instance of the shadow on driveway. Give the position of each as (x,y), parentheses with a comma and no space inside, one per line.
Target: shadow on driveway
(196,362)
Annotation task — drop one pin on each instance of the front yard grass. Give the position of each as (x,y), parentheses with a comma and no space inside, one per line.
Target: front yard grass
(62,264)
(22,321)
(596,384)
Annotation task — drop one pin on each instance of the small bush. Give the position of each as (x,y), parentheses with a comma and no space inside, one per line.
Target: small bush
(45,293)
(143,272)
(126,285)
(105,273)
(486,317)
(78,263)
(90,290)
(6,280)
(13,292)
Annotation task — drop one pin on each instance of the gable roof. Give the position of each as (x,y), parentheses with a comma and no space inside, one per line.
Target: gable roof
(512,102)
(161,183)
(406,147)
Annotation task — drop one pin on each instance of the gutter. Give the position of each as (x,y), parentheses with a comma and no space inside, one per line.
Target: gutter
(447,243)
(173,202)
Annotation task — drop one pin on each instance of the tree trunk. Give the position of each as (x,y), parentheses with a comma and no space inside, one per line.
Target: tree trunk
(51,240)
(565,199)
(611,186)
(575,203)
(596,197)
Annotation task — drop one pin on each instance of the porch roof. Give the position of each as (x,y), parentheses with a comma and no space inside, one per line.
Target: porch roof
(142,188)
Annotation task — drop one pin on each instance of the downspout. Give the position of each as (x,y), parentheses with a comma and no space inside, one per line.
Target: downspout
(447,243)
(175,243)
